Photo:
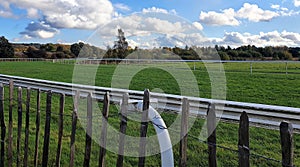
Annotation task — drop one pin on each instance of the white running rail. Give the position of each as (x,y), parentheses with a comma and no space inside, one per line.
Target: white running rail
(268,116)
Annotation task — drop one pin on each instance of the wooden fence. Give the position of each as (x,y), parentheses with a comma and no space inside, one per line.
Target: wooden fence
(6,152)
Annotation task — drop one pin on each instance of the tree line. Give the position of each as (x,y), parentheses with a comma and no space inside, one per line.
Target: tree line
(122,50)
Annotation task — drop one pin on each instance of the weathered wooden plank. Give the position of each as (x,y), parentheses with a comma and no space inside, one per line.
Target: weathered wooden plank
(88,134)
(3,127)
(144,128)
(47,129)
(74,124)
(37,126)
(20,110)
(105,112)
(211,131)
(243,145)
(25,161)
(183,133)
(10,123)
(60,129)
(287,145)
(123,127)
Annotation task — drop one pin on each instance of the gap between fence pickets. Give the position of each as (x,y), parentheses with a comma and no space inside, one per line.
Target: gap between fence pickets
(244,147)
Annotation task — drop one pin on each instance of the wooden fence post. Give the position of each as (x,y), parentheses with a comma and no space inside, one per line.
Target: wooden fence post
(286,136)
(123,126)
(20,110)
(211,132)
(144,128)
(3,128)
(74,123)
(60,130)
(25,161)
(243,145)
(184,133)
(89,130)
(47,129)
(10,123)
(105,112)
(37,126)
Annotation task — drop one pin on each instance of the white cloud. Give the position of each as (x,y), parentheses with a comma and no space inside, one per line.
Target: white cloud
(253,13)
(122,7)
(6,14)
(32,13)
(151,30)
(142,24)
(218,19)
(173,11)
(284,12)
(233,38)
(297,3)
(67,13)
(133,43)
(162,26)
(5,10)
(273,38)
(277,7)
(158,10)
(248,11)
(5,4)
(198,25)
(39,30)
(291,36)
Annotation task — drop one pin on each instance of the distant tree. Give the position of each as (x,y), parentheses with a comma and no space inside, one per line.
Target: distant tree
(76,47)
(223,55)
(295,51)
(6,48)
(59,55)
(228,48)
(285,55)
(244,54)
(59,49)
(217,47)
(255,54)
(33,52)
(268,51)
(49,47)
(121,45)
(233,53)
(186,47)
(176,50)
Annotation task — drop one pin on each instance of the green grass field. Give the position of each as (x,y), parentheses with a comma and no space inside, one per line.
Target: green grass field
(267,85)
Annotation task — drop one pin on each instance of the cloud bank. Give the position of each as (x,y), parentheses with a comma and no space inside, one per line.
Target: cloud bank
(59,14)
(250,12)
(273,38)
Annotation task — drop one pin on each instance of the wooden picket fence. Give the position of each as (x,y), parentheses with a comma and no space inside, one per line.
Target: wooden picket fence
(6,152)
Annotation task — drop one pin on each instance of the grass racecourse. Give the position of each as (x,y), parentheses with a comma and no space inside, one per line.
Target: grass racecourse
(269,83)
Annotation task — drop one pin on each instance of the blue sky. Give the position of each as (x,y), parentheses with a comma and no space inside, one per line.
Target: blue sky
(222,22)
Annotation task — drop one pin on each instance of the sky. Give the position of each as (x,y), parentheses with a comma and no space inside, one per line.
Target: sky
(194,22)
